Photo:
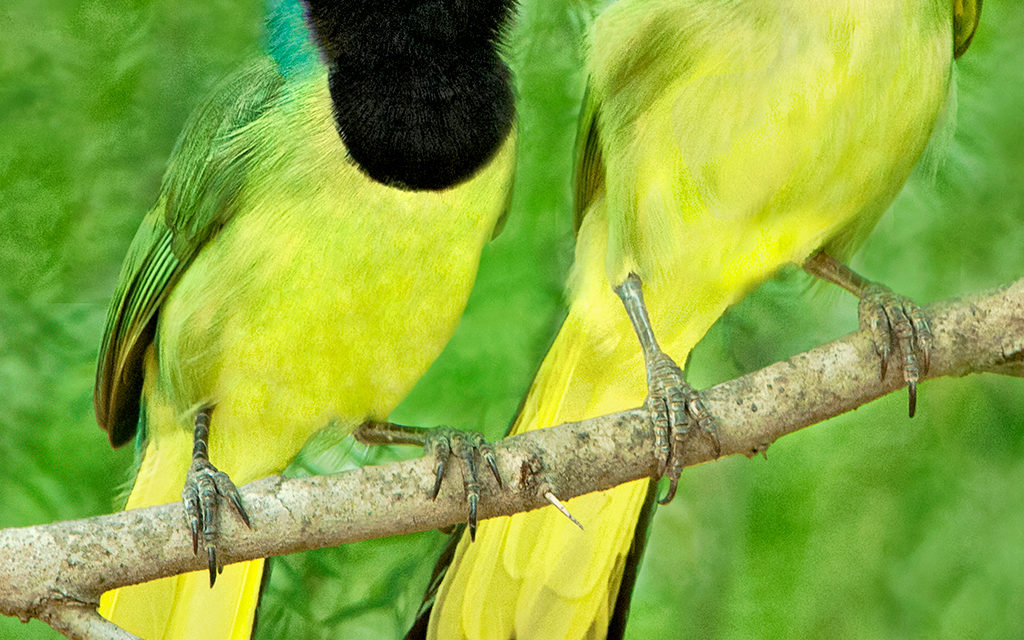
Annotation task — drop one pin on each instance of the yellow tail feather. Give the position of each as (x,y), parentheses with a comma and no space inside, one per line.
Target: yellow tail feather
(182,607)
(186,608)
(536,575)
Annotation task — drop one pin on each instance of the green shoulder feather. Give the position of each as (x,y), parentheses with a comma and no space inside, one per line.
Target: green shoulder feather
(199,195)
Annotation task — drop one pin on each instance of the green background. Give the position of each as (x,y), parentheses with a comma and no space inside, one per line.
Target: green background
(868,526)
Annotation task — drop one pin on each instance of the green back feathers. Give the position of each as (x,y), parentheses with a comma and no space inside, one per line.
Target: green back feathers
(208,166)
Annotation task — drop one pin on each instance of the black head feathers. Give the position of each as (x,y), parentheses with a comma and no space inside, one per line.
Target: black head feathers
(422,98)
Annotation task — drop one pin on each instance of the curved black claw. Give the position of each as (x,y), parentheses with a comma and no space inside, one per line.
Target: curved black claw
(205,486)
(675,408)
(442,443)
(897,322)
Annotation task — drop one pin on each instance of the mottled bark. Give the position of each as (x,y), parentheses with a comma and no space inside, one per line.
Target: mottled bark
(56,572)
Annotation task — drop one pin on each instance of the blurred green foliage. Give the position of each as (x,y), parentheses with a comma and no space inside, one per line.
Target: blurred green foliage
(871,525)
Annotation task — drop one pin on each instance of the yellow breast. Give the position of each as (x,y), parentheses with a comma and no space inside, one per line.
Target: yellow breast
(739,137)
(326,297)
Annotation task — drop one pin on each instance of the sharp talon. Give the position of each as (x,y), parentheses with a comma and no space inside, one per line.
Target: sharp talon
(237,501)
(439,475)
(912,390)
(672,483)
(212,564)
(550,497)
(494,470)
(924,346)
(444,443)
(472,518)
(195,538)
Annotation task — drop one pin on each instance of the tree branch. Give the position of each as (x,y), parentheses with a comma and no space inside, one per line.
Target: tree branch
(56,572)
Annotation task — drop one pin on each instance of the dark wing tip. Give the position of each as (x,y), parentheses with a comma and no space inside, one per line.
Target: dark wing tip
(966,16)
(117,395)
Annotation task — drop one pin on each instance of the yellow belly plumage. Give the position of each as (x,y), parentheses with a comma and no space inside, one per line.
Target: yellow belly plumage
(321,301)
(733,138)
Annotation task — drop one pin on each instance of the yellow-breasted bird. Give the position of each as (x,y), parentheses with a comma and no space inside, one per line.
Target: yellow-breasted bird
(720,140)
(316,237)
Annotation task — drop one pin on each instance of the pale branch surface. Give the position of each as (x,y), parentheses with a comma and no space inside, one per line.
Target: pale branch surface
(56,572)
(82,622)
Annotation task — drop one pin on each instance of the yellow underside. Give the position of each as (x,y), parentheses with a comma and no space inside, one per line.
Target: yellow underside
(736,138)
(536,575)
(183,606)
(322,302)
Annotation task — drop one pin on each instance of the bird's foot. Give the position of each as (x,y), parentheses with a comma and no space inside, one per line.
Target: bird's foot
(897,322)
(205,487)
(893,321)
(679,416)
(444,443)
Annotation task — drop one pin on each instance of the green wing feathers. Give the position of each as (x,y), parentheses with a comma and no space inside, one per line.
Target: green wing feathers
(209,164)
(198,197)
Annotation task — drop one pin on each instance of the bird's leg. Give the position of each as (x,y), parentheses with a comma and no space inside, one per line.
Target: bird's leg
(675,406)
(442,443)
(891,319)
(205,486)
